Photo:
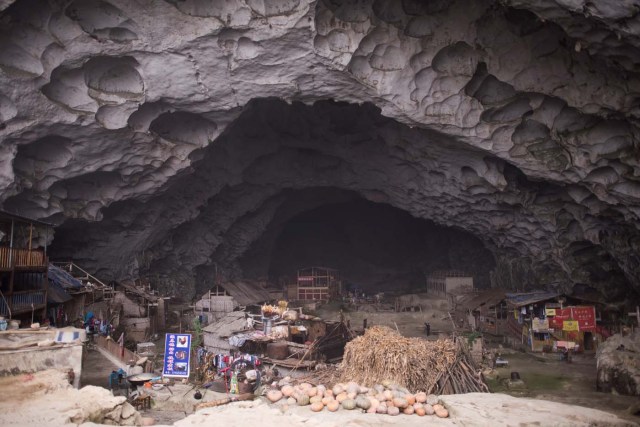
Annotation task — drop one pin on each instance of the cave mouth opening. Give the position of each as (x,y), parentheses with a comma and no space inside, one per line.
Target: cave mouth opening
(375,246)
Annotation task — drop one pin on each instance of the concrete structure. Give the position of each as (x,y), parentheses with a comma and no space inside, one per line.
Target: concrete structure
(442,283)
(32,351)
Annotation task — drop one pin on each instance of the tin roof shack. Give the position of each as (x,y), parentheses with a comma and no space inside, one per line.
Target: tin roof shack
(484,311)
(216,335)
(315,284)
(225,298)
(444,282)
(26,350)
(543,322)
(23,267)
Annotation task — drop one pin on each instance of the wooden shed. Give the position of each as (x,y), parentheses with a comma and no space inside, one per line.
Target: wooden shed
(224,298)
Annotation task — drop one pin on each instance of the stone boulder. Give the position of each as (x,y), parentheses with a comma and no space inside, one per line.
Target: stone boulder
(619,365)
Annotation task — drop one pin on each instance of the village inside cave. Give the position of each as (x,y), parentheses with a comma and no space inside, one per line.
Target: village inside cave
(320,212)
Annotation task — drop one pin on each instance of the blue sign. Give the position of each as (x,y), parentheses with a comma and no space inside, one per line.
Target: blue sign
(177,350)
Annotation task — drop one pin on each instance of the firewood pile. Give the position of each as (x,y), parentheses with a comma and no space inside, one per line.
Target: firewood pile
(435,367)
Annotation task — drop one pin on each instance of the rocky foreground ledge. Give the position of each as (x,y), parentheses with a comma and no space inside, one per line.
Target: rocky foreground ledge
(46,399)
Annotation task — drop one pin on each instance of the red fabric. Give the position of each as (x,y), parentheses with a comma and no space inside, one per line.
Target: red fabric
(586,317)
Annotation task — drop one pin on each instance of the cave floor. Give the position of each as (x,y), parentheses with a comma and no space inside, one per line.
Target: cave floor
(546,377)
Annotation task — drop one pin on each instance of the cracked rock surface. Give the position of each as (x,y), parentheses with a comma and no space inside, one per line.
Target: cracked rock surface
(176,138)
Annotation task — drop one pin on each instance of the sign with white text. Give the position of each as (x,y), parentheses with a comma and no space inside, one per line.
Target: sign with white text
(177,352)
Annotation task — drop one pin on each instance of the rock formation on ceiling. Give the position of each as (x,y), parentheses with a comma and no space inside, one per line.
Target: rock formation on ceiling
(172,137)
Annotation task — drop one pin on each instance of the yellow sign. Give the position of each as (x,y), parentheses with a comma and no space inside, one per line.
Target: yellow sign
(539,325)
(570,325)
(516,313)
(550,311)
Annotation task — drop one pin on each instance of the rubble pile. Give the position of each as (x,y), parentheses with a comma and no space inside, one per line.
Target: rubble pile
(46,398)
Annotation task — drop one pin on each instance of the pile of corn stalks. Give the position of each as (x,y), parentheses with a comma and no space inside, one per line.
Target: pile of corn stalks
(439,367)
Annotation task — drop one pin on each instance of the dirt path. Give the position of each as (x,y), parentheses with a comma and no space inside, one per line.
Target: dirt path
(95,369)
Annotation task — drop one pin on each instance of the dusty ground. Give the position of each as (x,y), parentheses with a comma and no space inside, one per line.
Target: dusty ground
(548,378)
(95,369)
(410,324)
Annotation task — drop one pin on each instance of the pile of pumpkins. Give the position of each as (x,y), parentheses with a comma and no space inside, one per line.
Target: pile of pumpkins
(386,398)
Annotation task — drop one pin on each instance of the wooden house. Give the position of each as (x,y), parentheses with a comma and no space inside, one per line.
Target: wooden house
(23,267)
(483,311)
(224,298)
(315,284)
(543,321)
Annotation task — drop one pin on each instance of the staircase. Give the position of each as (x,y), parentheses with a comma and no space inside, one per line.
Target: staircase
(90,281)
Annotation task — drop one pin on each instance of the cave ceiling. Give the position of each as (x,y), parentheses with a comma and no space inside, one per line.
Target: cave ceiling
(174,137)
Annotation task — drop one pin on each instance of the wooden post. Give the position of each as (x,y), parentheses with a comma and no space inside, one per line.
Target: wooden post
(30,236)
(636,314)
(11,247)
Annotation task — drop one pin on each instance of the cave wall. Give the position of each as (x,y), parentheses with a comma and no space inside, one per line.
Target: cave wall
(163,136)
(375,247)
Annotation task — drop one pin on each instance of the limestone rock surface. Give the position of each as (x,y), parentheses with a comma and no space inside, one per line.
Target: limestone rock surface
(173,138)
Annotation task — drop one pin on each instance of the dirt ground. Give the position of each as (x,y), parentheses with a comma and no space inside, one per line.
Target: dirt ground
(546,377)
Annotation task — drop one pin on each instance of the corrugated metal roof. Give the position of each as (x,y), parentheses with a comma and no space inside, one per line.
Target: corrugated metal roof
(520,299)
(474,300)
(246,293)
(234,321)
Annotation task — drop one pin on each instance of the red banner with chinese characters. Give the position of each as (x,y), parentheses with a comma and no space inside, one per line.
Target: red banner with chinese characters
(585,316)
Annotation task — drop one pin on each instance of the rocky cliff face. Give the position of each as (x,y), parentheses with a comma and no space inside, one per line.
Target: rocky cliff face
(177,137)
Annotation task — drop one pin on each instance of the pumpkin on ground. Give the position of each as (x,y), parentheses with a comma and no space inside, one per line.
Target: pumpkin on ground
(442,413)
(274,395)
(392,410)
(317,406)
(363,403)
(287,390)
(349,404)
(302,399)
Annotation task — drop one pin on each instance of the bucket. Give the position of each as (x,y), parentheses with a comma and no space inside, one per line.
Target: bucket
(267,325)
(14,324)
(3,324)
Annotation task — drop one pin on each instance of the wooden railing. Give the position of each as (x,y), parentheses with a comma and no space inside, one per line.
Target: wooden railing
(12,257)
(78,272)
(20,302)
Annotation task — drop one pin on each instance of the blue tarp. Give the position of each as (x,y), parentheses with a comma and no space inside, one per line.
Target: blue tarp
(63,279)
(527,298)
(59,282)
(57,295)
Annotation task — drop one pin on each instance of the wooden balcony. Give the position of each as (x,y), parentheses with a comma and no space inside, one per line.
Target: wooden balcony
(12,258)
(23,301)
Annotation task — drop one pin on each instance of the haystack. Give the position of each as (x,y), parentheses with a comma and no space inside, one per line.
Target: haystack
(417,364)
